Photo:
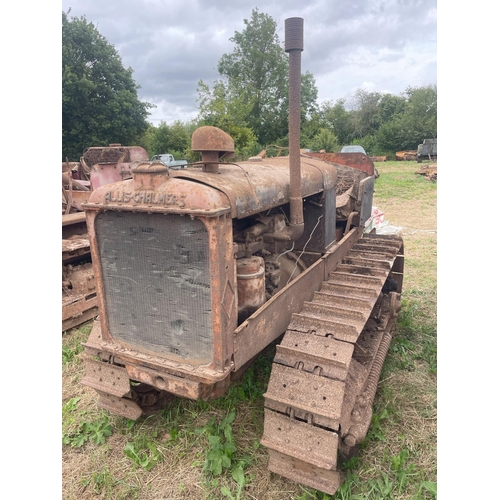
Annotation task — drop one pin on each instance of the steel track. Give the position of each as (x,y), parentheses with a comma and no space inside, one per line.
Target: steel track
(318,404)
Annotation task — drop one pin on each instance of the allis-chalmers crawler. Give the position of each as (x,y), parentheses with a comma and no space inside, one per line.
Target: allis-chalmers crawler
(198,270)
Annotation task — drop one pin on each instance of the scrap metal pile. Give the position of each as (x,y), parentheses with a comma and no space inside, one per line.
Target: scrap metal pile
(98,166)
(429,172)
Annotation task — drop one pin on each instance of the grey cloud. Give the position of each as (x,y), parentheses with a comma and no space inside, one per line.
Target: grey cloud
(171,45)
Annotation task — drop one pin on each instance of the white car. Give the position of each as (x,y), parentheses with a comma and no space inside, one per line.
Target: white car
(353,149)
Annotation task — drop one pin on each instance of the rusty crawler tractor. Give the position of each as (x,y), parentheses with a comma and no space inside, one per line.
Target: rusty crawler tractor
(198,270)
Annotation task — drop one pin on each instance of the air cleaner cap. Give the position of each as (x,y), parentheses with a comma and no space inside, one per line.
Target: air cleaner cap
(211,139)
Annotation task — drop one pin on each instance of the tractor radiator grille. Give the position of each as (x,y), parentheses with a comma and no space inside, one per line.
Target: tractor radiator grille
(156,280)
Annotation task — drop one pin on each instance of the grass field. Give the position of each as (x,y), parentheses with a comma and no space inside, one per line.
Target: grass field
(198,450)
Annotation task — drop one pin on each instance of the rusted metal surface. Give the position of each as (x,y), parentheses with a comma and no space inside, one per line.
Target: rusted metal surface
(74,249)
(75,241)
(124,407)
(294,45)
(309,395)
(112,164)
(315,385)
(301,471)
(211,139)
(135,358)
(310,444)
(214,144)
(334,356)
(254,187)
(251,285)
(107,378)
(102,165)
(251,188)
(353,160)
(222,279)
(71,220)
(334,385)
(251,337)
(319,214)
(75,199)
(165,382)
(114,153)
(107,173)
(175,195)
(271,320)
(79,302)
(74,192)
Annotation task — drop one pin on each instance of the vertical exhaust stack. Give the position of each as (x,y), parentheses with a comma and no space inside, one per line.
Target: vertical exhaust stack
(294,45)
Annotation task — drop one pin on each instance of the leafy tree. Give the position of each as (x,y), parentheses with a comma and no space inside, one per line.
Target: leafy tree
(222,103)
(418,121)
(309,128)
(159,139)
(253,91)
(365,112)
(99,96)
(420,117)
(390,106)
(257,72)
(325,139)
(147,140)
(390,138)
(369,143)
(338,120)
(174,139)
(308,96)
(179,138)
(219,107)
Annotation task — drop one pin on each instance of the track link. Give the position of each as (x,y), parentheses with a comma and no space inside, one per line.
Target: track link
(318,404)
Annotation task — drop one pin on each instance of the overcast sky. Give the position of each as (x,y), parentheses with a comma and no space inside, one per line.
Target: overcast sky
(378,45)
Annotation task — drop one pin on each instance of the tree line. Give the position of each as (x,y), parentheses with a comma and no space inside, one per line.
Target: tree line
(249,101)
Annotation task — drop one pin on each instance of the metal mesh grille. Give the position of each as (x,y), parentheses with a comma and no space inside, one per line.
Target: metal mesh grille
(155,271)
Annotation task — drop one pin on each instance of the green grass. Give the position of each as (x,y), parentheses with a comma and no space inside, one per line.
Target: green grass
(72,344)
(400,182)
(211,450)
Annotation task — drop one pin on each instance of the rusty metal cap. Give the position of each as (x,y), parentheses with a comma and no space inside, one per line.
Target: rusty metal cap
(147,167)
(211,139)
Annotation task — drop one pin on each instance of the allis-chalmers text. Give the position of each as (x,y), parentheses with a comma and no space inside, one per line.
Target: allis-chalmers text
(147,197)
